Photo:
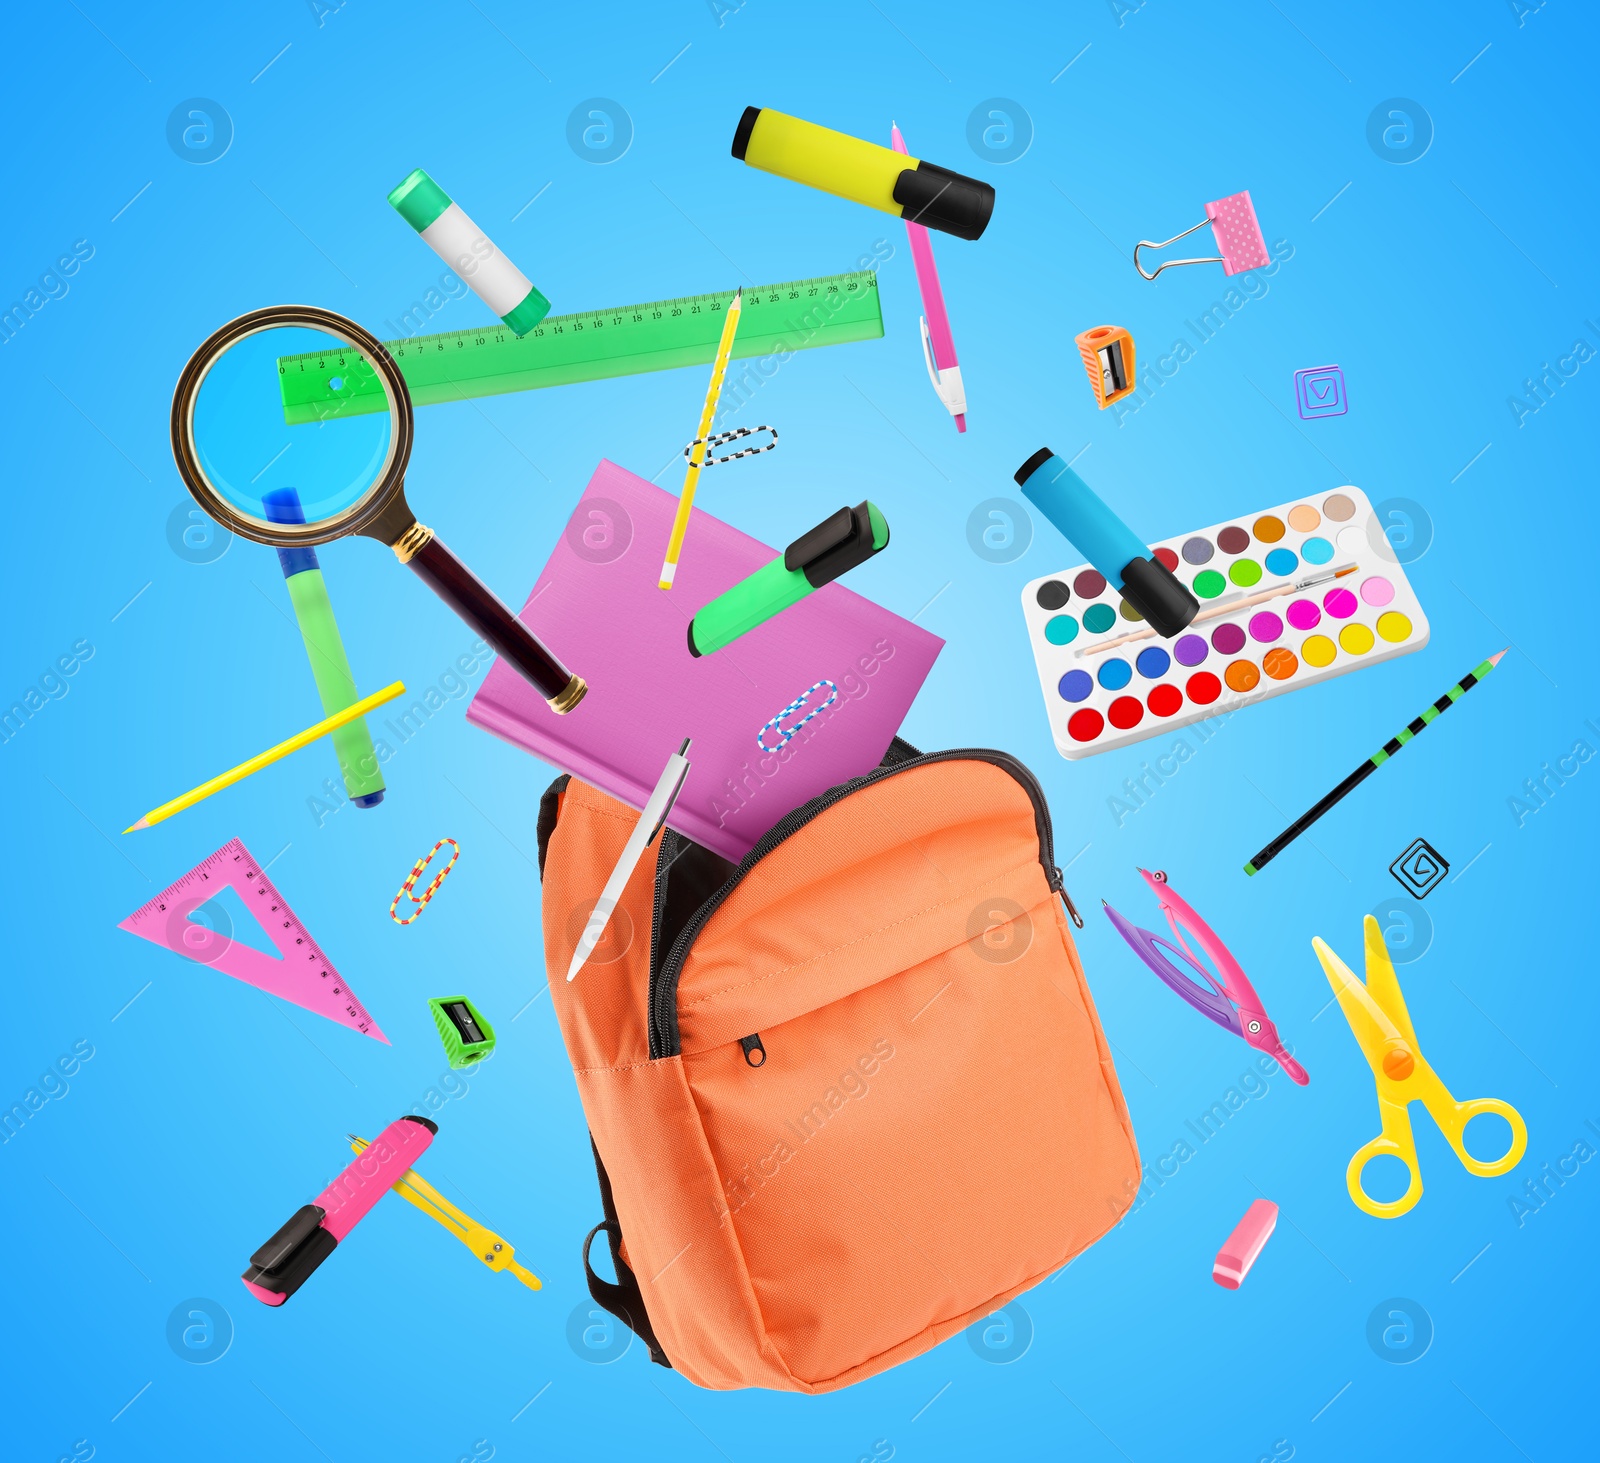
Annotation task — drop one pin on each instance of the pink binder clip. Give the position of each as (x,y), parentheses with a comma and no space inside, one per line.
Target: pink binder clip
(1239,1250)
(1238,235)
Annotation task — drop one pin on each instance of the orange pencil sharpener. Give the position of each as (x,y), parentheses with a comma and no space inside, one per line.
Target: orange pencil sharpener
(1107,352)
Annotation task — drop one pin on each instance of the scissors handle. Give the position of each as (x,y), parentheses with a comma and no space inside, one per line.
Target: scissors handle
(1453,1121)
(1385,1147)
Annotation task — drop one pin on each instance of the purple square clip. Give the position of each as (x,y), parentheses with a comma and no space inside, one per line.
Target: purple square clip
(1319,392)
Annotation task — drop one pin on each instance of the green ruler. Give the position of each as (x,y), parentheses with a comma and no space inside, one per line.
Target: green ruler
(833,310)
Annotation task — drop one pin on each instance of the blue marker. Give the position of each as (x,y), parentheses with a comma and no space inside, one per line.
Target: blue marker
(1107,542)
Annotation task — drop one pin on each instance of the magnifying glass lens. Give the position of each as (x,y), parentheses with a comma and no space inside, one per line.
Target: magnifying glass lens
(293,435)
(292,408)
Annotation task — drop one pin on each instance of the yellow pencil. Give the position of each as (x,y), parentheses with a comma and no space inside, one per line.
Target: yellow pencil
(271,755)
(680,523)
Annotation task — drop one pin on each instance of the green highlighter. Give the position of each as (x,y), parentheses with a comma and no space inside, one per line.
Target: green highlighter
(352,743)
(835,546)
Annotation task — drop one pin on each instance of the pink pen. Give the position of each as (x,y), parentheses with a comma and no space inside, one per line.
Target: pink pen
(938,347)
(1240,1249)
(281,1266)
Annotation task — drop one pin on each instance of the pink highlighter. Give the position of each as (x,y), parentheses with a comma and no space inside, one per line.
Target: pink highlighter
(282,1265)
(1240,1249)
(1230,1001)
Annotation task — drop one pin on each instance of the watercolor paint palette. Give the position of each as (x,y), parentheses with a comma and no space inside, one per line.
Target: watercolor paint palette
(1100,701)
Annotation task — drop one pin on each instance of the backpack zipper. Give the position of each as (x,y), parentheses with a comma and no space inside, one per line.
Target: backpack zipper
(664,1040)
(666,854)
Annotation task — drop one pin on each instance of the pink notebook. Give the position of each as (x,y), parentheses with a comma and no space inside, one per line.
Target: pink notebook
(810,698)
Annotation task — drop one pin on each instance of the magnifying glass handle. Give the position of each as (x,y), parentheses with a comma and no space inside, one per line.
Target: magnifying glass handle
(459,588)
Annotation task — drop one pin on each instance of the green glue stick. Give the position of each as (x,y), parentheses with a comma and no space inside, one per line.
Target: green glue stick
(336,686)
(834,547)
(447,230)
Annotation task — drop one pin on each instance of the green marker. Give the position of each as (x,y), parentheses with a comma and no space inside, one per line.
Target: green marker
(447,230)
(835,546)
(329,665)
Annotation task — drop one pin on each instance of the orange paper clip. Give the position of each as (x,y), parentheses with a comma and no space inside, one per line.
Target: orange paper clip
(420,900)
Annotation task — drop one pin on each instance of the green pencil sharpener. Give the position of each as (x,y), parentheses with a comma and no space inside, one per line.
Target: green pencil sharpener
(467,1037)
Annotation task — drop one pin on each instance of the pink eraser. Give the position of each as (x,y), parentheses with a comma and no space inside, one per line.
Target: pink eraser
(1239,241)
(1239,1252)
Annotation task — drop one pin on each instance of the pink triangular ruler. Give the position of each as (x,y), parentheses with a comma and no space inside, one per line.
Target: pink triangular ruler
(303,974)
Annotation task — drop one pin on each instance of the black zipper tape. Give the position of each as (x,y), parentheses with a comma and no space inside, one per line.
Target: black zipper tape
(664,860)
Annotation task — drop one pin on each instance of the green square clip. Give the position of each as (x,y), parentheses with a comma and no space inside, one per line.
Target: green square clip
(466,1035)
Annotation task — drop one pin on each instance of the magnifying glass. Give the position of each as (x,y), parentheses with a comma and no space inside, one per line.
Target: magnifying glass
(296,397)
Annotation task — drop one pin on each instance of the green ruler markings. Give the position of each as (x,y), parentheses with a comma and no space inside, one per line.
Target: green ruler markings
(590,346)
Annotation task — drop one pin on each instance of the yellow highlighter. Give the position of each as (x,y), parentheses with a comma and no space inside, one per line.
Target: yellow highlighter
(849,167)
(482,1241)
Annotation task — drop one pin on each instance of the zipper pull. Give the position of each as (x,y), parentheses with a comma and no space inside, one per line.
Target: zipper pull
(1060,886)
(752,1045)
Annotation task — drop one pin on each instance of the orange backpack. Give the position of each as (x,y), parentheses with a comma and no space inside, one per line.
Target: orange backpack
(847,1096)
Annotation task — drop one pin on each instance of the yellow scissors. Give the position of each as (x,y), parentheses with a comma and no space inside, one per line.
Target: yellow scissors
(1377,1015)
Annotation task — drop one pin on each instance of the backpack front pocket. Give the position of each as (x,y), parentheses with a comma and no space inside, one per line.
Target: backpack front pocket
(909,1154)
(935,1121)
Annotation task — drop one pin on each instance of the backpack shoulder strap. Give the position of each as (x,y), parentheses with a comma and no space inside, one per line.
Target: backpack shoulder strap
(549,811)
(620,1297)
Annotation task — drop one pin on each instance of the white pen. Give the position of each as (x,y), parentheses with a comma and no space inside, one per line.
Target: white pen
(650,823)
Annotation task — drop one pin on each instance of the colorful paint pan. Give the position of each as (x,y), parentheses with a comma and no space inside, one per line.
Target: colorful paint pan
(1228,638)
(1114,673)
(1165,700)
(1152,686)
(1279,663)
(1097,619)
(1152,662)
(1075,686)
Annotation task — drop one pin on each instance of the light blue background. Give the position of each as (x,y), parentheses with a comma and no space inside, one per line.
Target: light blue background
(206,1116)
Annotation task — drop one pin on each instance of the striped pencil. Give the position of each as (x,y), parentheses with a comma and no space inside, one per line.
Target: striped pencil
(1372,764)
